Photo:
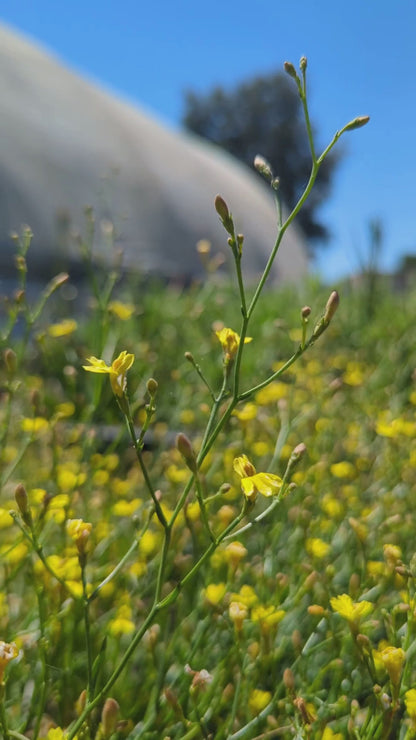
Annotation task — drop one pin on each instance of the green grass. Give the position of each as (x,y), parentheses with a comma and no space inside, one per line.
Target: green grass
(285,662)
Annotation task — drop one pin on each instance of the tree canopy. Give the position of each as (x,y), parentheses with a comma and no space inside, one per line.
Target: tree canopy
(264,116)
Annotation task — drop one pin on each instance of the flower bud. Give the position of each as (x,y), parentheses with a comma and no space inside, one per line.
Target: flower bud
(331,306)
(81,702)
(22,502)
(19,296)
(10,360)
(203,247)
(224,488)
(299,451)
(393,660)
(356,123)
(109,717)
(316,610)
(224,214)
(184,446)
(238,612)
(306,312)
(303,63)
(57,281)
(291,71)
(152,386)
(261,164)
(288,679)
(221,208)
(21,498)
(21,263)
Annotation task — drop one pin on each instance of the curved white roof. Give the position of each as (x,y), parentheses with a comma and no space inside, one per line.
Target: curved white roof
(65,144)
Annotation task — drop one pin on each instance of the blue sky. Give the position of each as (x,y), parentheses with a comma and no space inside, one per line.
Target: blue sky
(362,60)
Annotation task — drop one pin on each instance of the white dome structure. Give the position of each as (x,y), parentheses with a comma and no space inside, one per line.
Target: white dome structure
(66,144)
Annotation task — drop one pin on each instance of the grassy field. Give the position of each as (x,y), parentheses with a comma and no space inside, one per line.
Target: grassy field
(144,594)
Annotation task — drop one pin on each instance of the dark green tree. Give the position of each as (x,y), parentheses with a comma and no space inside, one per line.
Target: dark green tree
(264,116)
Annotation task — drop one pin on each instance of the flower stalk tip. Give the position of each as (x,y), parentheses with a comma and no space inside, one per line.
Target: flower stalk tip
(224,214)
(290,70)
(184,446)
(358,122)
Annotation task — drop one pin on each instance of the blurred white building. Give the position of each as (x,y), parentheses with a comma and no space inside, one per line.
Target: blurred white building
(65,143)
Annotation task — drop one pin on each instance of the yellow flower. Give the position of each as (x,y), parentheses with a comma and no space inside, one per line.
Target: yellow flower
(246,596)
(253,483)
(126,508)
(79,531)
(317,547)
(122,623)
(258,700)
(8,651)
(392,554)
(329,734)
(35,425)
(230,342)
(351,610)
(214,593)
(234,553)
(238,613)
(268,617)
(343,469)
(57,733)
(272,393)
(117,370)
(123,311)
(65,327)
(149,543)
(393,660)
(410,701)
(247,413)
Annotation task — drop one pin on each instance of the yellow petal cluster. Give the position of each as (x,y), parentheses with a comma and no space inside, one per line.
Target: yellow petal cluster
(393,660)
(230,342)
(117,370)
(253,483)
(352,611)
(410,701)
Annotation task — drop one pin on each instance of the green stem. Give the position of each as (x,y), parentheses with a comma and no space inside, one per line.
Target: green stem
(202,507)
(37,547)
(162,564)
(87,625)
(156,608)
(114,572)
(303,97)
(41,696)
(3,719)
(130,425)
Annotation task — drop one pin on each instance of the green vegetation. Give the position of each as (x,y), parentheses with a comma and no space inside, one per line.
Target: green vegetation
(214,543)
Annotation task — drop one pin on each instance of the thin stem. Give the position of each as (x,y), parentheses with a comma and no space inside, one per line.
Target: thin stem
(162,564)
(114,572)
(202,507)
(156,608)
(304,100)
(241,284)
(41,696)
(37,547)
(275,375)
(130,425)
(3,719)
(86,606)
(213,414)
